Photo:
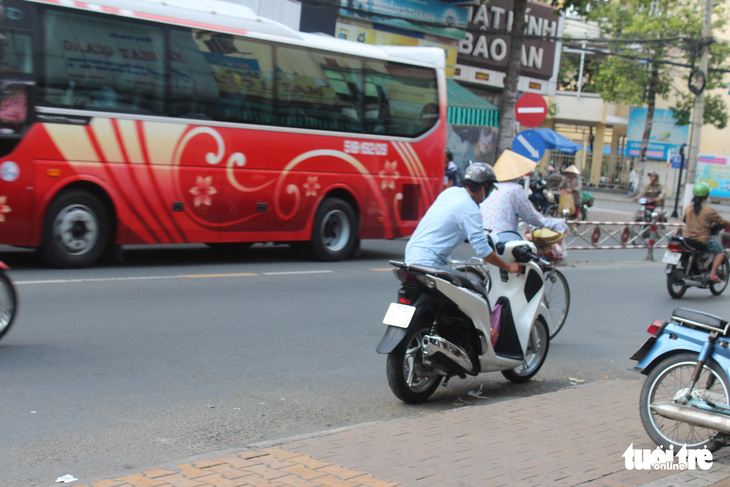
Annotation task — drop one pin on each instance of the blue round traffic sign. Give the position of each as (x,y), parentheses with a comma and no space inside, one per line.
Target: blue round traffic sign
(530,144)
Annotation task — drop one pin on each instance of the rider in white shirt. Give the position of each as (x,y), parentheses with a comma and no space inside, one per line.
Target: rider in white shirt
(453,217)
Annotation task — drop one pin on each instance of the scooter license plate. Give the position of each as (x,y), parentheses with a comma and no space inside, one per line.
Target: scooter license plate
(671,257)
(399,315)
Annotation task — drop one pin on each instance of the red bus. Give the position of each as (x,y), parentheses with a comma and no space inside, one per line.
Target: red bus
(150,122)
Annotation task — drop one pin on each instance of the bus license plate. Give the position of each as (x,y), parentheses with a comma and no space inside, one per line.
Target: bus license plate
(671,257)
(399,315)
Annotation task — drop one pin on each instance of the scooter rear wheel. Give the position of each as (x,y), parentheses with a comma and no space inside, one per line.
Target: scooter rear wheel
(662,385)
(409,378)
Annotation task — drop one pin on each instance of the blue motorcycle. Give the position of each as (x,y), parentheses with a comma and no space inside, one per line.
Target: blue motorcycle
(685,399)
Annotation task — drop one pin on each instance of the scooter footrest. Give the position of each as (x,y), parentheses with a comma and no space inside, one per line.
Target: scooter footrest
(698,319)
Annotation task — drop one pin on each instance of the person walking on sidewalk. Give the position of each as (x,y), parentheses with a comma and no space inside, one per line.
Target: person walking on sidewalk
(451,172)
(700,218)
(453,217)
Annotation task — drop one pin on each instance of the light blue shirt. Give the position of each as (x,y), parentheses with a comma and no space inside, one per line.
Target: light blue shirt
(452,218)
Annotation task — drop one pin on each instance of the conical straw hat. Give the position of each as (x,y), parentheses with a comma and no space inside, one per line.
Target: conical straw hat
(572,169)
(512,166)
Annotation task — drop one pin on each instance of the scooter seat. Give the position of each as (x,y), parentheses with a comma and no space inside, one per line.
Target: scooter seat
(455,277)
(698,318)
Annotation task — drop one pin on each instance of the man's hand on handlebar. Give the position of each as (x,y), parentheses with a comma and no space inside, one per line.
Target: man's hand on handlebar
(496,261)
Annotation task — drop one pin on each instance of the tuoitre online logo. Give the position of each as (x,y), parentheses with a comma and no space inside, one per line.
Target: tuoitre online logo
(661,459)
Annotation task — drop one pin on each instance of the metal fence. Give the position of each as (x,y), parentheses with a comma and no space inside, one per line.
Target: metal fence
(600,235)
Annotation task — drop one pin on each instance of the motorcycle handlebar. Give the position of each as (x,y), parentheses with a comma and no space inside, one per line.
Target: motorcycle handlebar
(524,254)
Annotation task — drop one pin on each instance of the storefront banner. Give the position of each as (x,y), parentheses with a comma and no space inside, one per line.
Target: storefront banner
(715,172)
(414,15)
(665,135)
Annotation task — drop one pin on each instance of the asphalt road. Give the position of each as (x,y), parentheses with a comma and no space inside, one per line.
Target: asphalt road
(180,351)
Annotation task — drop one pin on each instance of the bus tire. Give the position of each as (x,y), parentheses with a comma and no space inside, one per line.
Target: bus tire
(76,230)
(335,231)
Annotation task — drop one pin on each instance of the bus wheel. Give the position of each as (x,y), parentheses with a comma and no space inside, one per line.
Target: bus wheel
(76,230)
(335,231)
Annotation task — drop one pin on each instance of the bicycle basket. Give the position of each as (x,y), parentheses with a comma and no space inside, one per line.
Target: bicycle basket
(544,237)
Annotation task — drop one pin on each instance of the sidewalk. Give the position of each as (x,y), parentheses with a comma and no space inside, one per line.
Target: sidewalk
(575,436)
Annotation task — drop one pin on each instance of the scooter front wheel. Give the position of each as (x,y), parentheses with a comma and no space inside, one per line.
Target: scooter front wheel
(409,378)
(535,356)
(669,380)
(8,303)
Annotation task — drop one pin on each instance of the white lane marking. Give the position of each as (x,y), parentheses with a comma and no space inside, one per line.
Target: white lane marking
(295,273)
(149,278)
(99,279)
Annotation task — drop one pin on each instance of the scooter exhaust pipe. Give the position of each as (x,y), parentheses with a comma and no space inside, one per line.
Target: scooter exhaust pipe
(694,416)
(691,282)
(433,344)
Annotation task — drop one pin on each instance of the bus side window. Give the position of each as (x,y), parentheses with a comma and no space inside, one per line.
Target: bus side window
(102,63)
(317,90)
(220,76)
(406,96)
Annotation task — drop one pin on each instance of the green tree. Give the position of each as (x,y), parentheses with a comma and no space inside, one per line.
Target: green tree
(647,45)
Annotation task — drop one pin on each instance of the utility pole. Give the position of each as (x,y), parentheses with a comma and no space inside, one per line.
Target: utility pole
(697,86)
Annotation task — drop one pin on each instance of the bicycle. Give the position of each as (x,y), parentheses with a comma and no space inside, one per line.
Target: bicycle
(557,292)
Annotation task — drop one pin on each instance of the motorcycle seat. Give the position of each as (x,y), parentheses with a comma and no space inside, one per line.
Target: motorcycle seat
(455,277)
(695,245)
(699,319)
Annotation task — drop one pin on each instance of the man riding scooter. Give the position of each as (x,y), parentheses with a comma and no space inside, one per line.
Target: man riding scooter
(453,217)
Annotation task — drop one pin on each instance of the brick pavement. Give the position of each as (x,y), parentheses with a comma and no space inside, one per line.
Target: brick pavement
(575,436)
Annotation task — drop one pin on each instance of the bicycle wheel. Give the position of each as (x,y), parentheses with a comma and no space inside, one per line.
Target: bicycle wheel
(557,300)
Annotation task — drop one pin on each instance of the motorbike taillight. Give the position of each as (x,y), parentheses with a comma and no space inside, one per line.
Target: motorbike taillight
(674,247)
(655,327)
(404,301)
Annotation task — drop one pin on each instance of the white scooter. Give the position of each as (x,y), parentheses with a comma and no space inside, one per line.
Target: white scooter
(446,324)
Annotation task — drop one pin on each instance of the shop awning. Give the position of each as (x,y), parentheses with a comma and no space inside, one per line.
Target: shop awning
(554,140)
(466,108)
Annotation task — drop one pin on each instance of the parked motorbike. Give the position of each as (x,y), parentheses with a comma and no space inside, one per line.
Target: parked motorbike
(689,264)
(542,198)
(686,396)
(443,325)
(8,300)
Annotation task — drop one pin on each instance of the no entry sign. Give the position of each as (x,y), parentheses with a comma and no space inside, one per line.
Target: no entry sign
(531,109)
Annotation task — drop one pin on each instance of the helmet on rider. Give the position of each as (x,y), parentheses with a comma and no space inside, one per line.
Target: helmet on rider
(653,173)
(480,174)
(700,190)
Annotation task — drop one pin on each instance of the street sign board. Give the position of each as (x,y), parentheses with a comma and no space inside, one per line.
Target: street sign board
(530,144)
(531,109)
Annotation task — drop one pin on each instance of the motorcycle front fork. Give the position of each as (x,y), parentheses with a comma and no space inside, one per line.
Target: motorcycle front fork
(702,358)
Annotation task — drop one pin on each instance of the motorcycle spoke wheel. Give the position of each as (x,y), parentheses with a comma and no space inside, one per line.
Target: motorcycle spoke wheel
(557,300)
(663,384)
(535,355)
(409,378)
(723,271)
